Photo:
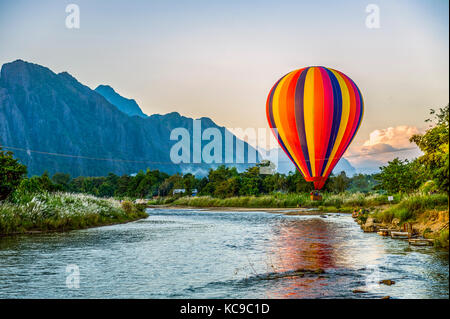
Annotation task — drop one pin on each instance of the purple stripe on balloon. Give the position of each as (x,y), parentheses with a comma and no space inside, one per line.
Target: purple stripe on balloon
(300,117)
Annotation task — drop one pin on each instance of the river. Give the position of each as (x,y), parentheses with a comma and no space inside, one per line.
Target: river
(182,253)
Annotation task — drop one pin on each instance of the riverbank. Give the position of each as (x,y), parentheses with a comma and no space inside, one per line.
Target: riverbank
(427,214)
(52,212)
(424,216)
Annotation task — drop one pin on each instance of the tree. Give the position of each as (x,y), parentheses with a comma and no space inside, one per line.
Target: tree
(123,185)
(216,177)
(397,176)
(361,183)
(190,182)
(339,183)
(11,173)
(296,183)
(106,190)
(251,182)
(61,179)
(435,146)
(228,188)
(274,183)
(170,183)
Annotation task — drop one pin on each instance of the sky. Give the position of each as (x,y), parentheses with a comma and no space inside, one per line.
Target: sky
(219,59)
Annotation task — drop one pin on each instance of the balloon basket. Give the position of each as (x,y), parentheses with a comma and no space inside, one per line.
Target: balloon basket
(315,196)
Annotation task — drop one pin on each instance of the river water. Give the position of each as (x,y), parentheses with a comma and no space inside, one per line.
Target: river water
(214,254)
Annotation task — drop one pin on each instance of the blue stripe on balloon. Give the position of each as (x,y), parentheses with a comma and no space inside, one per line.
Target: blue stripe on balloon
(300,117)
(337,113)
(361,105)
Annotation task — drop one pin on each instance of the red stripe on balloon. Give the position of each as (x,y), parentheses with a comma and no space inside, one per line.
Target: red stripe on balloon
(271,121)
(292,125)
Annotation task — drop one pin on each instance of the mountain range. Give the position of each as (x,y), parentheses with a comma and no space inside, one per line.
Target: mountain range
(54,123)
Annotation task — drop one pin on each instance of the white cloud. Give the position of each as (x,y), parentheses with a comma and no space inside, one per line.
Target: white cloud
(397,137)
(384,145)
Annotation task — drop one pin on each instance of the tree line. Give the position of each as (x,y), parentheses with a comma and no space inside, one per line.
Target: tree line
(429,172)
(221,182)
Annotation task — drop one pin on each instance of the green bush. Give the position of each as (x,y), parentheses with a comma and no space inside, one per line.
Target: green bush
(127,206)
(403,214)
(426,231)
(428,187)
(442,240)
(11,173)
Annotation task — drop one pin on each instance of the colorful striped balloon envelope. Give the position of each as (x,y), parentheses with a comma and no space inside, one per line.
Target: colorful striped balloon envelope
(315,113)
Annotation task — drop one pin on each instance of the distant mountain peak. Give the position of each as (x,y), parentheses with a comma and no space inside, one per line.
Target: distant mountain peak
(125,105)
(21,65)
(105,88)
(206,120)
(67,75)
(20,72)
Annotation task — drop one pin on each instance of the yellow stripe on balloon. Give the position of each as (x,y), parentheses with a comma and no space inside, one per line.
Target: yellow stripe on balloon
(279,124)
(308,109)
(344,117)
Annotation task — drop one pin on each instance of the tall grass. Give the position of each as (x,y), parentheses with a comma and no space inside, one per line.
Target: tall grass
(62,211)
(278,200)
(413,205)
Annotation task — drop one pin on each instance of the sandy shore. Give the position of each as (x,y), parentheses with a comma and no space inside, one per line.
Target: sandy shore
(286,211)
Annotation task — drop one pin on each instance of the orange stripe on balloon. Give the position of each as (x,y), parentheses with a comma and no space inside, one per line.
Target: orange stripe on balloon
(269,113)
(289,119)
(281,106)
(287,104)
(277,112)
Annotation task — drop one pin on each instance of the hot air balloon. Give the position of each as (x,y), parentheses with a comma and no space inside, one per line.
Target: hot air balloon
(315,113)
